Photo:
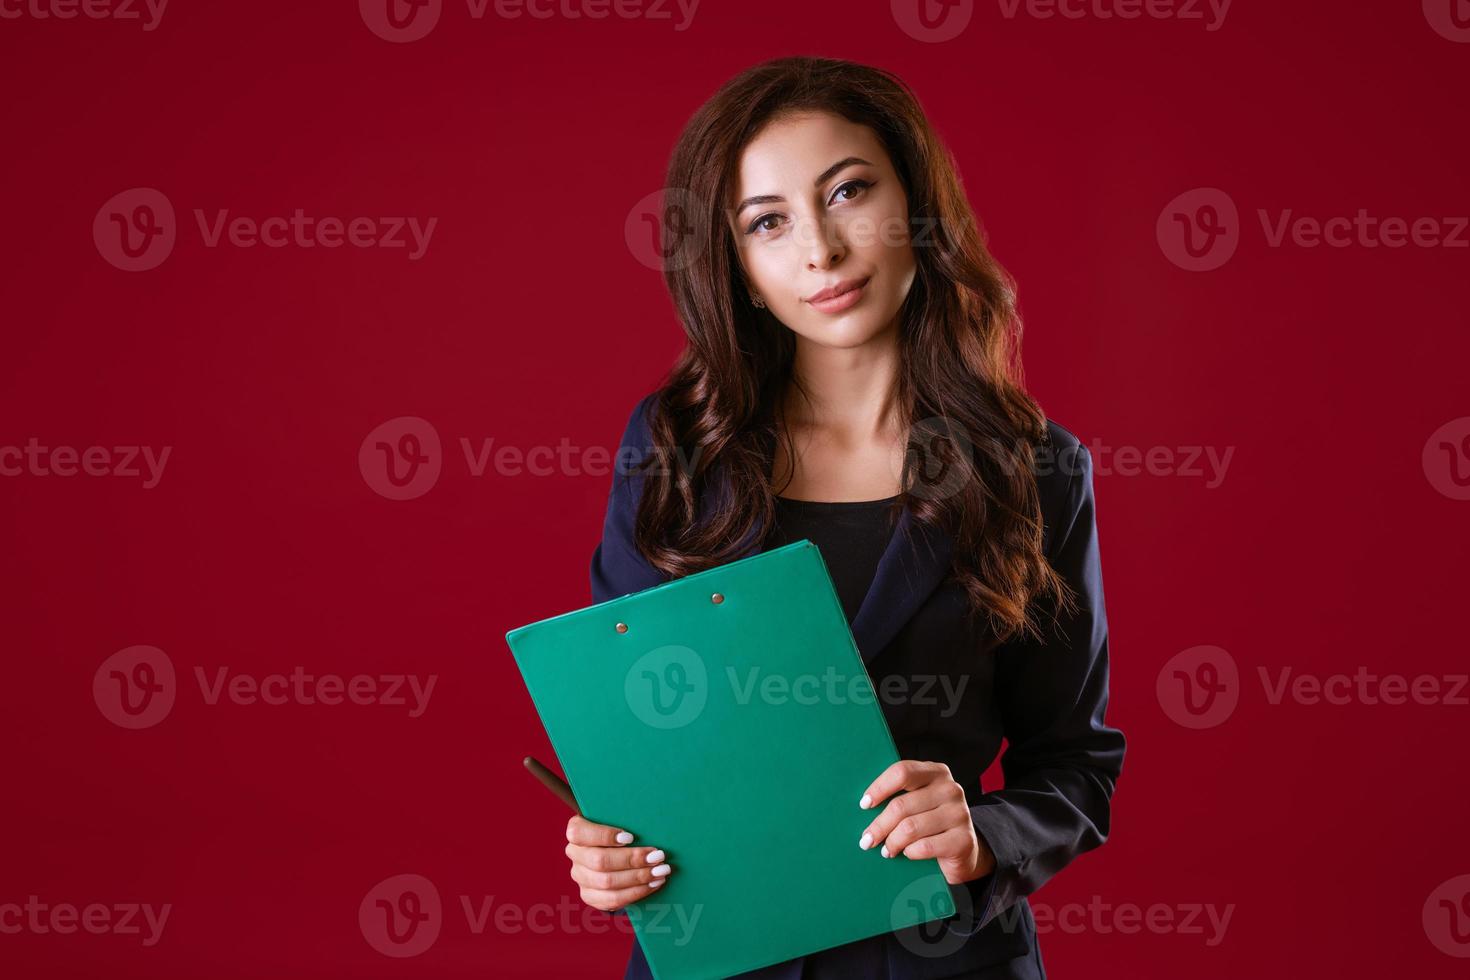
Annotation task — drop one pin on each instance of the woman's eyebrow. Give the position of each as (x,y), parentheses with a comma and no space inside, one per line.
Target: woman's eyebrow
(822,178)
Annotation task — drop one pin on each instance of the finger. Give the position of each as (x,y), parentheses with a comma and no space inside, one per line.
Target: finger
(954,843)
(583,831)
(608,881)
(930,823)
(903,774)
(900,807)
(611,901)
(614,858)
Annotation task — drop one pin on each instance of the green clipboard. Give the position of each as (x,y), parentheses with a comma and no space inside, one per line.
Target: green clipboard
(728,718)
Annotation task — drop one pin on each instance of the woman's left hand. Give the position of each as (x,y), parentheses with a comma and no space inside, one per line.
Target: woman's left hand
(930,820)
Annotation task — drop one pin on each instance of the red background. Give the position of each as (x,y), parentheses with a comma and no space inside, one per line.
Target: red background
(529,320)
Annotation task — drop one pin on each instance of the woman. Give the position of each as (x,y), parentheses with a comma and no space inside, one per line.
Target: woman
(852,377)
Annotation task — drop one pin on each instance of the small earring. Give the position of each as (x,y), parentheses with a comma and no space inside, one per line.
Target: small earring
(759,303)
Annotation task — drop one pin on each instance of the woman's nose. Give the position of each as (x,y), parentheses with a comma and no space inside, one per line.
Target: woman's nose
(823,244)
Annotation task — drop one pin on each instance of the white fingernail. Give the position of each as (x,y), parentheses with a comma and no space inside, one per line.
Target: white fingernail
(661,870)
(885,851)
(866,801)
(655,857)
(867,840)
(624,837)
(655,883)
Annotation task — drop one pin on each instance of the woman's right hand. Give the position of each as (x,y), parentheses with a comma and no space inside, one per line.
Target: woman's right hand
(610,873)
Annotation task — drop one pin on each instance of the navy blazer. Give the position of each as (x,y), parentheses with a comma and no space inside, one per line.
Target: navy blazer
(1046,699)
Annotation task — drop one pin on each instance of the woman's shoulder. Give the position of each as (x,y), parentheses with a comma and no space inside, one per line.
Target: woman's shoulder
(1063,475)
(637,438)
(1065,447)
(639,415)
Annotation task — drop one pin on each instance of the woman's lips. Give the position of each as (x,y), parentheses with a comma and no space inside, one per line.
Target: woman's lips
(842,301)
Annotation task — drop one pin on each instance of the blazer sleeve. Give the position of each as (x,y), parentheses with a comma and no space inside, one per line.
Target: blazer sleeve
(617,567)
(1062,760)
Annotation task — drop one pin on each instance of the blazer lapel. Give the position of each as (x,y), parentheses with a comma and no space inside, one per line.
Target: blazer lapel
(912,566)
(914,563)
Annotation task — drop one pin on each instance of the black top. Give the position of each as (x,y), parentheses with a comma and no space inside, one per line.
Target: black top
(851,535)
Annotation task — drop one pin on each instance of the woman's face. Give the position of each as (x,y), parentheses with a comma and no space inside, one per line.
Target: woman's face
(819,205)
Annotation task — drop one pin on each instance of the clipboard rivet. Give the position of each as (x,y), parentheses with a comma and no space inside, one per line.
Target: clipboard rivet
(622,627)
(717,598)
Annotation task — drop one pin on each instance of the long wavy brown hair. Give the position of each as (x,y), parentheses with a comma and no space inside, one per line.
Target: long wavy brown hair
(971,425)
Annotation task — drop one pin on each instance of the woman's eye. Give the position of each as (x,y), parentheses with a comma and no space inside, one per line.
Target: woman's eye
(854,185)
(760,223)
